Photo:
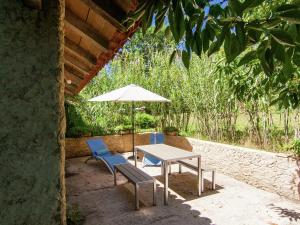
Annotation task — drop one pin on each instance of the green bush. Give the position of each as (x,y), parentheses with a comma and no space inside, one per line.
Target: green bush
(295,147)
(170,129)
(145,121)
(121,128)
(78,131)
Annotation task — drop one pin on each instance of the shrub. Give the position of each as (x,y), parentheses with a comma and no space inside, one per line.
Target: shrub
(170,129)
(78,131)
(119,129)
(144,120)
(295,147)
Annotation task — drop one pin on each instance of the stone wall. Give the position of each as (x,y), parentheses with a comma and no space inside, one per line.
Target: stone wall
(32,114)
(273,172)
(77,147)
(269,171)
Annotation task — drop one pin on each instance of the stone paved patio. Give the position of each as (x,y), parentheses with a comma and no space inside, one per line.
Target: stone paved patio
(90,186)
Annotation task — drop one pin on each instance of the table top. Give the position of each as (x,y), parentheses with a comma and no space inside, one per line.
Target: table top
(166,152)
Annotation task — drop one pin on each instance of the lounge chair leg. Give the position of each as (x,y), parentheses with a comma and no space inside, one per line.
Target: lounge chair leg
(137,203)
(115,176)
(154,192)
(213,177)
(89,158)
(180,168)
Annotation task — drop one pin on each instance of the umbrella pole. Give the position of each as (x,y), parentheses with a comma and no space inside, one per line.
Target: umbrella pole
(132,122)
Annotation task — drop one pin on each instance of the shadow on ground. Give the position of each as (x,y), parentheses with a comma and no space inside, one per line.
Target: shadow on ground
(90,186)
(185,185)
(291,214)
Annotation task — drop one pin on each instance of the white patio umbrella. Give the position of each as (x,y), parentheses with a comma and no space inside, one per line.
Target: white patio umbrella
(131,93)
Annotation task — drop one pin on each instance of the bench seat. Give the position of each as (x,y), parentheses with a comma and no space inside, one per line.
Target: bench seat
(137,177)
(193,165)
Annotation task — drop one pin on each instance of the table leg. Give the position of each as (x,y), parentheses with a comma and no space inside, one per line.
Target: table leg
(199,176)
(162,168)
(154,192)
(135,157)
(166,182)
(137,202)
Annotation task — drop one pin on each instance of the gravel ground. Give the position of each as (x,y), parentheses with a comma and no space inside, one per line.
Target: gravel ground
(90,186)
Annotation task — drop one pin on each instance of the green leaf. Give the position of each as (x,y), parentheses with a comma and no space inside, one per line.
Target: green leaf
(291,16)
(186,57)
(147,18)
(172,26)
(296,56)
(160,18)
(205,40)
(197,43)
(278,50)
(248,4)
(236,6)
(215,46)
(282,37)
(235,43)
(172,57)
(254,35)
(286,7)
(179,18)
(248,57)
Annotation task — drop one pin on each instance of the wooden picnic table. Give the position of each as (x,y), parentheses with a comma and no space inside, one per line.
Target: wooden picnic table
(169,154)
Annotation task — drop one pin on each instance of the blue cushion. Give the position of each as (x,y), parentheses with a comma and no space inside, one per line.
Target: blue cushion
(149,160)
(157,138)
(97,146)
(113,160)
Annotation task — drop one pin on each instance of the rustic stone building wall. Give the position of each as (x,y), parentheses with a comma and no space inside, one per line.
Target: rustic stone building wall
(32,114)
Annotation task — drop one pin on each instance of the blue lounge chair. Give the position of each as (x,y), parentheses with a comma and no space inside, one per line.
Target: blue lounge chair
(100,152)
(149,160)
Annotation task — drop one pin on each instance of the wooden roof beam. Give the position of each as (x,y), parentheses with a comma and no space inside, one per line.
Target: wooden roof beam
(69,67)
(77,61)
(106,13)
(80,52)
(85,30)
(70,76)
(69,92)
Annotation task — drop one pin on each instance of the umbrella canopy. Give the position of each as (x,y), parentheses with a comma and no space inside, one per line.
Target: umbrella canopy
(130,93)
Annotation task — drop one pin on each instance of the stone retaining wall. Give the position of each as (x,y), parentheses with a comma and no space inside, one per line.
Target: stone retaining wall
(77,147)
(269,171)
(273,172)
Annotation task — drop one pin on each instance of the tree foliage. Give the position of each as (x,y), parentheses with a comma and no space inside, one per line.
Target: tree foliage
(264,32)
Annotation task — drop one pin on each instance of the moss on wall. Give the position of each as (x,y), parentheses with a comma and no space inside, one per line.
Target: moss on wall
(32,114)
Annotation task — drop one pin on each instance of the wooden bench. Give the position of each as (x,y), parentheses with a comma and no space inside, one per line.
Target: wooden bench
(193,165)
(136,177)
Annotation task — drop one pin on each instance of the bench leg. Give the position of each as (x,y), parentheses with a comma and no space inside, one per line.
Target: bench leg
(202,181)
(137,203)
(180,168)
(115,176)
(199,177)
(154,192)
(213,182)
